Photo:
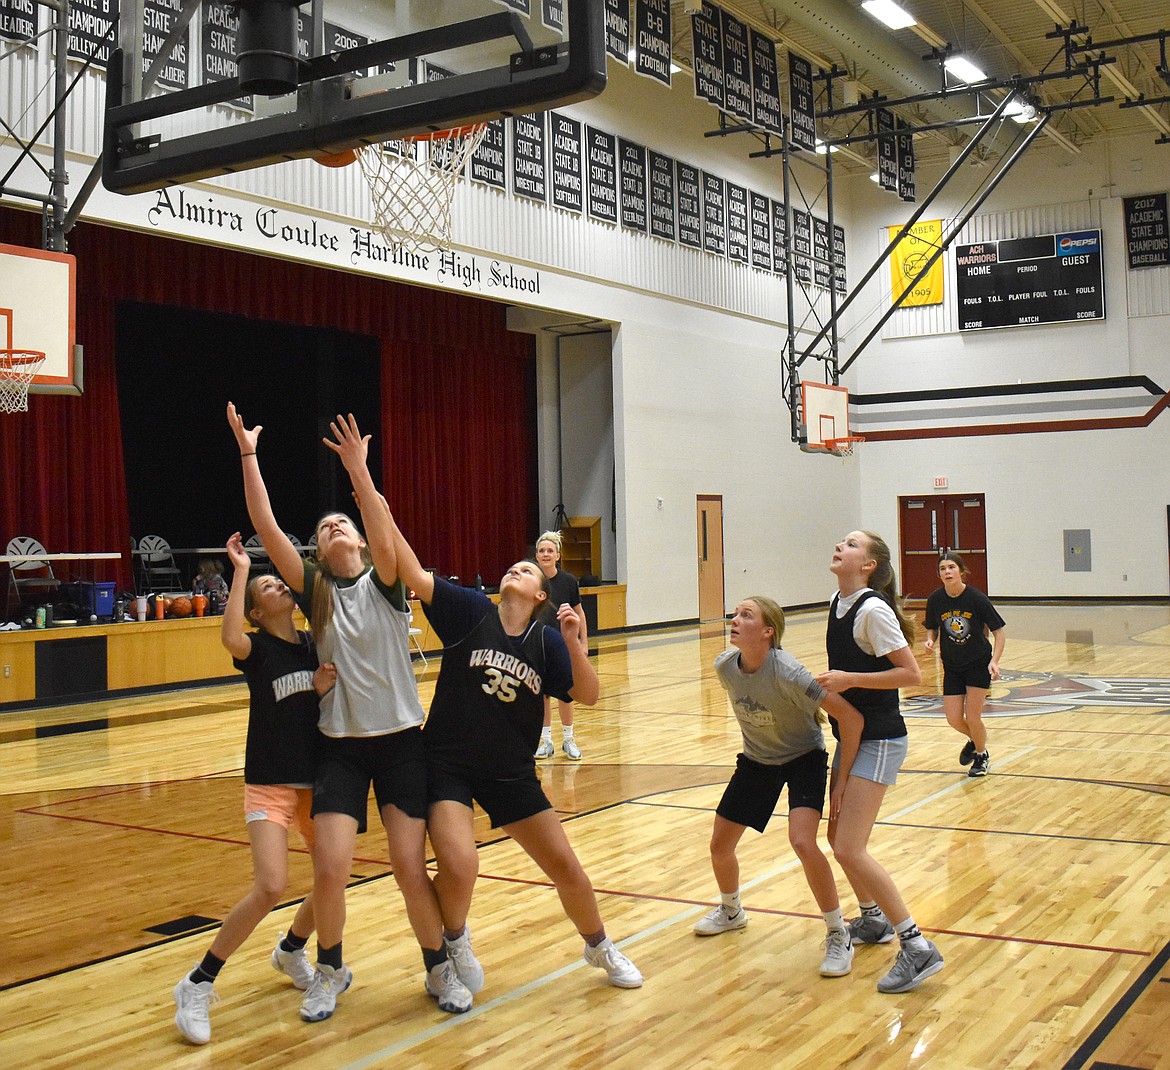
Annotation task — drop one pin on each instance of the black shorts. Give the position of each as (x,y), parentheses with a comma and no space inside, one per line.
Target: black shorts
(956,681)
(395,764)
(754,789)
(506,800)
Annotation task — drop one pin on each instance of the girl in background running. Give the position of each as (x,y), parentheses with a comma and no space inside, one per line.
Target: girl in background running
(957,619)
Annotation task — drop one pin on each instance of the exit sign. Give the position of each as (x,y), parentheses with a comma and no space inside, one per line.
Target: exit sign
(940,482)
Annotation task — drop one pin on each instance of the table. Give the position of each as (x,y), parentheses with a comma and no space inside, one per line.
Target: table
(20,559)
(12,560)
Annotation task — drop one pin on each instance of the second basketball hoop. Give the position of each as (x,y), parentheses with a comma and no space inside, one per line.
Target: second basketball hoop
(413,181)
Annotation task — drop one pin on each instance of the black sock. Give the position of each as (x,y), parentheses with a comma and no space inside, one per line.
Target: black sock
(330,956)
(431,959)
(292,942)
(207,970)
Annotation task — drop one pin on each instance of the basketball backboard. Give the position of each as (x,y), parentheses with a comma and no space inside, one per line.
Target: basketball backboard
(824,415)
(37,312)
(210,87)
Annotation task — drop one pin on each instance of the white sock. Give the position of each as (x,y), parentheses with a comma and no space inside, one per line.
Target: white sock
(833,919)
(567,732)
(546,733)
(731,901)
(870,910)
(915,942)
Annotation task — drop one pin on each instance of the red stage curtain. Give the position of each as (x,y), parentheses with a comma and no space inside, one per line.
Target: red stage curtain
(458,437)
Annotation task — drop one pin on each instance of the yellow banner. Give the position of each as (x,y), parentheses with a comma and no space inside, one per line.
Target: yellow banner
(907,259)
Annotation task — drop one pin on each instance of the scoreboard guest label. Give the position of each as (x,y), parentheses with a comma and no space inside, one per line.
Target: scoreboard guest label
(1049,278)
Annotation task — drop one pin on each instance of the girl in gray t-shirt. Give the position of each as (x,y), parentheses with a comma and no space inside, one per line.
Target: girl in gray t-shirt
(776,701)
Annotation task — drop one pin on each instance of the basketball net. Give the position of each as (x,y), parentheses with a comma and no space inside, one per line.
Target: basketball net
(844,447)
(17,369)
(412,181)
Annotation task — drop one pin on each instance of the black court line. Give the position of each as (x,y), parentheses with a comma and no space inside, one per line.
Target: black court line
(68,728)
(1117,1012)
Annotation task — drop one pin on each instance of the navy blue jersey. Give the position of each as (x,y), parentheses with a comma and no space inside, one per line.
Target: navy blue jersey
(489,700)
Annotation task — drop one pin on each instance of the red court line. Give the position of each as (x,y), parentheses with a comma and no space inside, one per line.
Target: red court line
(181,835)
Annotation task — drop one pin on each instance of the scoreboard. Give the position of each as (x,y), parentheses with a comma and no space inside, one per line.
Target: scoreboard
(1049,278)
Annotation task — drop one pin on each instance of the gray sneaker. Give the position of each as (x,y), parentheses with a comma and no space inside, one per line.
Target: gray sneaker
(721,920)
(193,1009)
(462,957)
(981,766)
(321,996)
(447,990)
(838,954)
(546,749)
(294,964)
(868,929)
(619,970)
(572,751)
(911,968)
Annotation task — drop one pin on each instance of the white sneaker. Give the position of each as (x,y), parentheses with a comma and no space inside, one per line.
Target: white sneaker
(447,990)
(321,997)
(462,957)
(193,1015)
(619,970)
(721,920)
(572,751)
(546,749)
(838,954)
(294,964)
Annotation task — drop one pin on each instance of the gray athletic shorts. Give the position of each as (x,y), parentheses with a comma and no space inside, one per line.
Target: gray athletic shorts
(877,759)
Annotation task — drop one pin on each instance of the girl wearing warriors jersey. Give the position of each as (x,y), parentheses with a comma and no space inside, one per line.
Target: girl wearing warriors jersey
(280,762)
(957,617)
(776,701)
(868,643)
(372,723)
(484,724)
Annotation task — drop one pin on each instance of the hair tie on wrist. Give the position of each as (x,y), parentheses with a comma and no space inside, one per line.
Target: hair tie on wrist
(252,454)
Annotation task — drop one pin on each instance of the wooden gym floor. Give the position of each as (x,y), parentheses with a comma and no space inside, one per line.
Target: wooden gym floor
(1045,885)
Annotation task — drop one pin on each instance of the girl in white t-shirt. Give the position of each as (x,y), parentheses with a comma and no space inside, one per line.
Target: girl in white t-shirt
(868,641)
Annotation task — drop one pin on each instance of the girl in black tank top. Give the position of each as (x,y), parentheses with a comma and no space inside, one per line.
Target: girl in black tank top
(869,660)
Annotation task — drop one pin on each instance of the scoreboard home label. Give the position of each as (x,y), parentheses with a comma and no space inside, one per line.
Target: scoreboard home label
(1049,278)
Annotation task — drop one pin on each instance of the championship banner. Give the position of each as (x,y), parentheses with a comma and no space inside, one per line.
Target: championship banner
(707,49)
(907,259)
(652,25)
(802,124)
(887,150)
(617,29)
(1147,239)
(737,68)
(19,20)
(906,189)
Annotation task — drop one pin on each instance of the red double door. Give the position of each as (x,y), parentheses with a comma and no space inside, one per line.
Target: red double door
(932,525)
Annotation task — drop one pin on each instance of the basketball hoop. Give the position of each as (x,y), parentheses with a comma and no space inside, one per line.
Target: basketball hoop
(412,181)
(844,447)
(17,369)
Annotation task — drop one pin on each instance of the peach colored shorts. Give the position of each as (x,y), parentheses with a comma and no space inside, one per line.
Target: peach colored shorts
(288,807)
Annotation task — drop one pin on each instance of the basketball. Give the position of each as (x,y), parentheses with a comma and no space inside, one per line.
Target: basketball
(337,159)
(180,607)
